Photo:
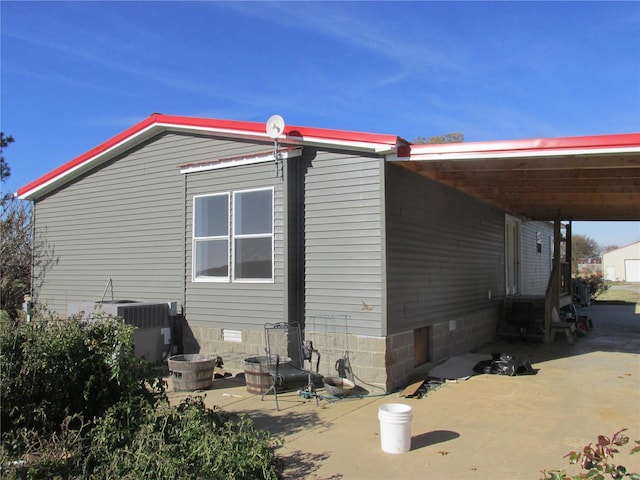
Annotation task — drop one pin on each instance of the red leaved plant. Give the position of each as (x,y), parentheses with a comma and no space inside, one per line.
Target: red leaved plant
(596,460)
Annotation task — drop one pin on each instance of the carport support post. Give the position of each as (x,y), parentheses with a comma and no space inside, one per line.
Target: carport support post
(568,256)
(552,295)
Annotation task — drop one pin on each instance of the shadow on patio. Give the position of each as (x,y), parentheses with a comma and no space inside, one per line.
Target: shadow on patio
(616,328)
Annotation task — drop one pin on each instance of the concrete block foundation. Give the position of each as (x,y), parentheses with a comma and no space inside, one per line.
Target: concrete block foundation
(387,363)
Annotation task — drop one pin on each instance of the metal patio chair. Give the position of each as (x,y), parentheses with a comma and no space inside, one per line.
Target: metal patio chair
(286,355)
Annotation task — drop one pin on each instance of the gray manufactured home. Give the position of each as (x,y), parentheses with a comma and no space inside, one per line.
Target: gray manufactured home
(206,215)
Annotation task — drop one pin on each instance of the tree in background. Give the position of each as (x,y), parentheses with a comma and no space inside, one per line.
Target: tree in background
(583,249)
(453,137)
(608,248)
(5,171)
(16,244)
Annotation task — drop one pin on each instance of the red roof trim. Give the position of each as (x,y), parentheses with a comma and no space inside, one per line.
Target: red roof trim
(625,140)
(289,130)
(296,135)
(291,134)
(86,156)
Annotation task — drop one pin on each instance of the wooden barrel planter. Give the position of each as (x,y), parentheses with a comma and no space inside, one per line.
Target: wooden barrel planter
(191,372)
(256,375)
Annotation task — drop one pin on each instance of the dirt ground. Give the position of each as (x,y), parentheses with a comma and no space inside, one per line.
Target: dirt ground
(487,427)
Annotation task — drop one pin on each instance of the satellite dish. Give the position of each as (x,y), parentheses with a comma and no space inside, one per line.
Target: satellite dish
(275,126)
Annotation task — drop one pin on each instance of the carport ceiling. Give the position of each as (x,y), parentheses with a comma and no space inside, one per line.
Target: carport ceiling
(583,178)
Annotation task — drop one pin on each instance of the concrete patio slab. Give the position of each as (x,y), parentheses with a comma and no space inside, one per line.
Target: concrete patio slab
(487,427)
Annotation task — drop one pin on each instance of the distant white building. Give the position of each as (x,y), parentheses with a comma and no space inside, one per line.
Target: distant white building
(623,264)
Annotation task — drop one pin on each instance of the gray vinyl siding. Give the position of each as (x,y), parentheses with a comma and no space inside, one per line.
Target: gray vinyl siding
(236,305)
(115,223)
(536,267)
(125,221)
(343,239)
(445,252)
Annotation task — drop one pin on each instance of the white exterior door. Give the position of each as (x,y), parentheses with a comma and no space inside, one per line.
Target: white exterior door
(611,274)
(512,234)
(632,270)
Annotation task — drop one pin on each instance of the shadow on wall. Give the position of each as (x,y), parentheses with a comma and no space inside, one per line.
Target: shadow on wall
(184,339)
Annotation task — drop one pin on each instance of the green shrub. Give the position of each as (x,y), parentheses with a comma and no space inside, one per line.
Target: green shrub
(187,441)
(77,403)
(135,440)
(53,368)
(52,456)
(597,285)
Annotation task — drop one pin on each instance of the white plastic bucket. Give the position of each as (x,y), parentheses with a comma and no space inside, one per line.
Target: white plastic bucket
(395,427)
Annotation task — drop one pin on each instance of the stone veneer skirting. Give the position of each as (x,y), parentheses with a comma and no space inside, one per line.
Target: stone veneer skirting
(384,362)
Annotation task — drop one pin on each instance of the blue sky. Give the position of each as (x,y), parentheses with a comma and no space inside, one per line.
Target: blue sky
(77,73)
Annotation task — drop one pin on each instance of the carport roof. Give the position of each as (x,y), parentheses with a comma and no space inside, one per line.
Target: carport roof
(577,178)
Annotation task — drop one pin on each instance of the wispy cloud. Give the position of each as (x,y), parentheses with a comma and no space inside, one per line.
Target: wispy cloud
(352,25)
(147,72)
(59,78)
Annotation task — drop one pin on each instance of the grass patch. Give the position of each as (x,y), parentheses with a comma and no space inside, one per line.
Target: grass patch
(620,293)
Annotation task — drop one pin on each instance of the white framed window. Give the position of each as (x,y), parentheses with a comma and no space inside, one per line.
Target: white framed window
(211,238)
(253,235)
(233,236)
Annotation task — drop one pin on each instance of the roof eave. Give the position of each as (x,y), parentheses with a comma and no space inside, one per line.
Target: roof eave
(424,156)
(537,147)
(298,136)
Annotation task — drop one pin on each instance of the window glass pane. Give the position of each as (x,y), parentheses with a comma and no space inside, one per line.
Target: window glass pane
(211,259)
(253,258)
(253,212)
(211,216)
